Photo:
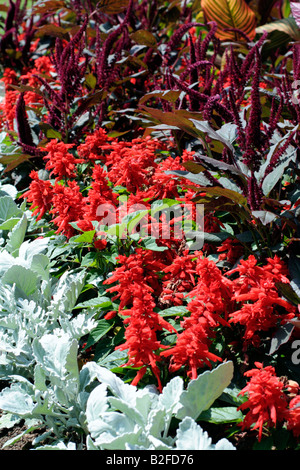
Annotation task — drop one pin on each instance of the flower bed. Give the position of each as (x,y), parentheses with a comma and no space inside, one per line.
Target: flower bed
(149,217)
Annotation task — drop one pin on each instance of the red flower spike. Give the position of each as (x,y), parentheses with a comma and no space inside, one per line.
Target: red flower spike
(61,163)
(40,194)
(266,399)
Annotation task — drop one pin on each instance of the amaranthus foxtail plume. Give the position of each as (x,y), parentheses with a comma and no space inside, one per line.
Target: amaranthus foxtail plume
(24,131)
(175,39)
(253,132)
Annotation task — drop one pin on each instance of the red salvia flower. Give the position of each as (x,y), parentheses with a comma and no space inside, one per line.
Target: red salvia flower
(192,350)
(140,334)
(211,297)
(165,184)
(68,206)
(277,269)
(140,268)
(61,163)
(249,275)
(9,77)
(40,195)
(141,343)
(94,144)
(266,399)
(84,225)
(131,164)
(10,102)
(260,310)
(100,193)
(100,242)
(230,250)
(179,279)
(42,65)
(261,306)
(130,172)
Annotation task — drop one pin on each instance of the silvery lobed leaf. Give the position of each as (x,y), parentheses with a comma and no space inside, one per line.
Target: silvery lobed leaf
(78,326)
(130,411)
(58,446)
(53,354)
(156,423)
(26,281)
(203,391)
(111,425)
(170,396)
(16,402)
(118,442)
(146,399)
(29,248)
(66,292)
(16,236)
(190,436)
(116,385)
(97,403)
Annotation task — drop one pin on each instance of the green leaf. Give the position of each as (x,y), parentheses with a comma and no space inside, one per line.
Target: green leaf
(266,443)
(170,396)
(227,414)
(8,420)
(67,291)
(91,80)
(9,223)
(103,327)
(49,132)
(216,237)
(86,237)
(132,220)
(150,244)
(191,436)
(124,407)
(173,311)
(52,353)
(96,302)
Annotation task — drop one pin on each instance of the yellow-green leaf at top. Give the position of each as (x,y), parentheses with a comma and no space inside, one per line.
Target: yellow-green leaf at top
(230,14)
